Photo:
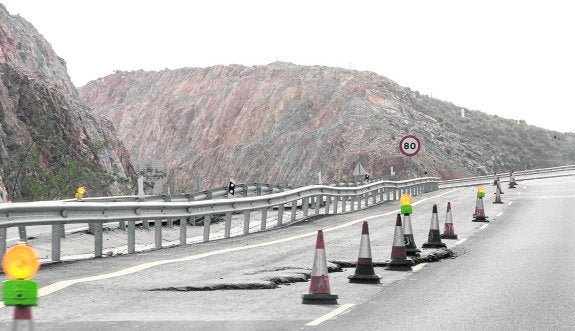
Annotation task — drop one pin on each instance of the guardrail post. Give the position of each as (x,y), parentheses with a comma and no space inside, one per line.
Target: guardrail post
(293,210)
(344,203)
(259,189)
(327,203)
(305,206)
(359,200)
(395,194)
(352,203)
(207,224)
(131,237)
(170,223)
(122,225)
(158,233)
(387,197)
(183,231)
(247,215)
(98,239)
(366,199)
(374,197)
(281,208)
(335,204)
(318,200)
(264,216)
(56,243)
(2,241)
(228,225)
(22,234)
(146,224)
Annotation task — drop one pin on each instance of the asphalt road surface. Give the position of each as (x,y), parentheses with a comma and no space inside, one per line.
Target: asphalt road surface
(514,273)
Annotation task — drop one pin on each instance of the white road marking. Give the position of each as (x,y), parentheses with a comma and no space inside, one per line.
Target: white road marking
(483,226)
(331,315)
(509,204)
(123,272)
(519,193)
(418,267)
(501,213)
(459,242)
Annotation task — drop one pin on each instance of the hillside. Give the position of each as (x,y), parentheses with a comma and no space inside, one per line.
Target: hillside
(283,123)
(50,141)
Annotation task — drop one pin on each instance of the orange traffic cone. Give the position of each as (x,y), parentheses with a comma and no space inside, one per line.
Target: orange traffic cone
(512,181)
(319,292)
(399,260)
(448,232)
(22,318)
(479,215)
(364,272)
(434,239)
(498,195)
(410,246)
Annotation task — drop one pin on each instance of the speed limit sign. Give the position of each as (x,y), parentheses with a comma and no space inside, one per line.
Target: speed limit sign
(409,145)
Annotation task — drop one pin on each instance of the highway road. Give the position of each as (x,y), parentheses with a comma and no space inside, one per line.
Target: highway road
(506,274)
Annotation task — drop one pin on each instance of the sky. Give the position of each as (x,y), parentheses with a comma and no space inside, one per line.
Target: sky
(514,59)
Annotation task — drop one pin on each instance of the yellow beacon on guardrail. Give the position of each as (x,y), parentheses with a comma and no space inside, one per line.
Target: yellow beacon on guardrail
(20,264)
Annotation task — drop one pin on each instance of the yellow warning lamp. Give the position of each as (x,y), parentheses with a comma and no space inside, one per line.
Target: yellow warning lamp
(20,262)
(405,201)
(480,192)
(80,192)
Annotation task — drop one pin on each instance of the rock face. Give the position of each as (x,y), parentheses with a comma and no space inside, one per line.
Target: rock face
(50,141)
(283,123)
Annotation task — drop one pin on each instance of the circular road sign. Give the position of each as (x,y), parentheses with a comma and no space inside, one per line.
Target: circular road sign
(409,145)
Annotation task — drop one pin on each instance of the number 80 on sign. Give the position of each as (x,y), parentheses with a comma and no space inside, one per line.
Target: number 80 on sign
(409,145)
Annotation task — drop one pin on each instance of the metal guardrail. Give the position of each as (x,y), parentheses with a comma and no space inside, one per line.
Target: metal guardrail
(335,198)
(97,212)
(504,177)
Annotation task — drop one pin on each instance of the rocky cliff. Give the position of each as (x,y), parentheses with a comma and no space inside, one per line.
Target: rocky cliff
(50,141)
(283,123)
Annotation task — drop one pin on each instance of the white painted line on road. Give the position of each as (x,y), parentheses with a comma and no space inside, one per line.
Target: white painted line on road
(137,268)
(483,226)
(418,267)
(509,204)
(519,193)
(459,242)
(501,213)
(331,315)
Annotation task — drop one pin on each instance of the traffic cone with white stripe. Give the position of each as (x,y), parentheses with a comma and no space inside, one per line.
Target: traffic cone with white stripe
(410,246)
(498,195)
(448,231)
(434,238)
(319,292)
(479,215)
(22,318)
(364,272)
(399,260)
(512,181)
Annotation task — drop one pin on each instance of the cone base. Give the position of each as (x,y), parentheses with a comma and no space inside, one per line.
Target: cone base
(434,245)
(399,265)
(412,251)
(366,279)
(480,219)
(319,299)
(498,202)
(448,236)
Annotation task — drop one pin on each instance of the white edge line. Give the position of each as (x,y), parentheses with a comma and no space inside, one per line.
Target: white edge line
(418,267)
(509,204)
(60,285)
(501,213)
(459,242)
(330,315)
(483,226)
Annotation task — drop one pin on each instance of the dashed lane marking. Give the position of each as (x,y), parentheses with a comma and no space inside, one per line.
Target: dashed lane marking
(137,268)
(418,267)
(509,204)
(483,226)
(331,315)
(459,242)
(501,213)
